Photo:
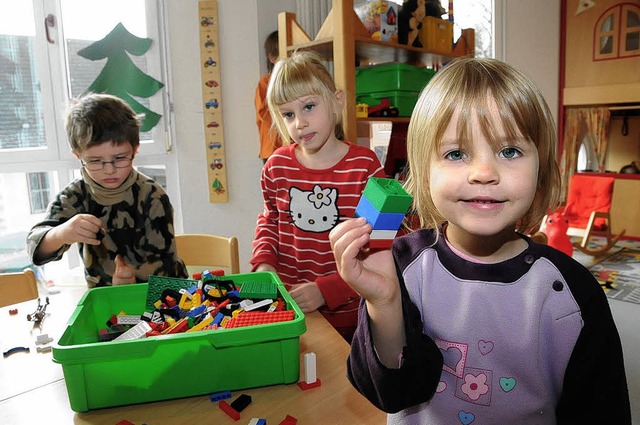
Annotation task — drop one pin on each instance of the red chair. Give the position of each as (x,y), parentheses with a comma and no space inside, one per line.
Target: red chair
(587,210)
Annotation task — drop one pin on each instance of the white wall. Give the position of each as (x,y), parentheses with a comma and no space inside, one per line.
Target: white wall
(531,41)
(242,28)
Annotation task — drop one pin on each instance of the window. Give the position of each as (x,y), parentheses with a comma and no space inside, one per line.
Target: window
(40,191)
(476,14)
(617,33)
(41,68)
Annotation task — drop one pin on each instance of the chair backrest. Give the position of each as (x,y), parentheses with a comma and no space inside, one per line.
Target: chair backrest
(18,287)
(209,252)
(587,194)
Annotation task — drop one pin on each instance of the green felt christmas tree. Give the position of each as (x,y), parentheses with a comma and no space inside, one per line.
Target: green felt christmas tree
(120,76)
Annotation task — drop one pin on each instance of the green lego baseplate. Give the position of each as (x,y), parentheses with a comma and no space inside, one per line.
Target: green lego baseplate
(262,290)
(157,284)
(387,195)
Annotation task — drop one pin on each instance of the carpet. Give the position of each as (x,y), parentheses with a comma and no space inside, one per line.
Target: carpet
(619,275)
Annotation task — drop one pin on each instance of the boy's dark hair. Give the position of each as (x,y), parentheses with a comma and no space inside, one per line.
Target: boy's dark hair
(97,118)
(271,48)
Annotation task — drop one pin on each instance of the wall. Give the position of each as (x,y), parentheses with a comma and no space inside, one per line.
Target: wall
(590,81)
(530,42)
(242,28)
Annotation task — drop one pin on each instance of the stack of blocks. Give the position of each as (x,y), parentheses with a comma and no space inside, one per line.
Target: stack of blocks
(384,204)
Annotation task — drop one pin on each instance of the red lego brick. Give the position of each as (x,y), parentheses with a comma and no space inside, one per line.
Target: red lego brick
(289,420)
(233,414)
(250,318)
(380,243)
(304,386)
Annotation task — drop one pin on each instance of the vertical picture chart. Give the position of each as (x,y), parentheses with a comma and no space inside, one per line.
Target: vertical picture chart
(212,101)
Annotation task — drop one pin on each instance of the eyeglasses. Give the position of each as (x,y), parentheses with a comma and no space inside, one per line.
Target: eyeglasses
(98,164)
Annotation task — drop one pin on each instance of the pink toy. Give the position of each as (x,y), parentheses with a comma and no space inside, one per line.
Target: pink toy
(556,228)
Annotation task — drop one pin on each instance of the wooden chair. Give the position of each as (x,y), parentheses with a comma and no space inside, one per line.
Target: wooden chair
(18,287)
(588,211)
(208,252)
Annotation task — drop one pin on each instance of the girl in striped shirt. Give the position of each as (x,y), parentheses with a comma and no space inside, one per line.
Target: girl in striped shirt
(309,185)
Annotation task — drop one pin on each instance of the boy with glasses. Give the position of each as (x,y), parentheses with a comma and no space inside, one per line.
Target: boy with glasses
(121,219)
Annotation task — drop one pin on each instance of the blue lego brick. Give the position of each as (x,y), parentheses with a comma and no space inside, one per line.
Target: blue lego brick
(220,396)
(377,219)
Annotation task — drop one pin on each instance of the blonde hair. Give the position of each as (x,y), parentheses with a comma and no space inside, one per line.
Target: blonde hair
(302,74)
(471,86)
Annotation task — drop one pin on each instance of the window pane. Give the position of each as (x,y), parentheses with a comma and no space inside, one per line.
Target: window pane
(16,218)
(476,14)
(606,44)
(81,32)
(632,41)
(40,190)
(21,124)
(632,19)
(607,25)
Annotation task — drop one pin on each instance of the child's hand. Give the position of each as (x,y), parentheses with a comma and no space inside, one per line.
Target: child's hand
(83,228)
(264,267)
(371,273)
(307,296)
(124,272)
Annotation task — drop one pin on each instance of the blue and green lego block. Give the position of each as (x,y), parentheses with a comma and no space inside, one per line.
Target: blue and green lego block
(384,203)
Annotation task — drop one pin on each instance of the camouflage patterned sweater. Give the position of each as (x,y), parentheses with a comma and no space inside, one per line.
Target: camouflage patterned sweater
(139,226)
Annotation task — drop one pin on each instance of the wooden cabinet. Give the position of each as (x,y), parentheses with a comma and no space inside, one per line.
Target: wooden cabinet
(343,39)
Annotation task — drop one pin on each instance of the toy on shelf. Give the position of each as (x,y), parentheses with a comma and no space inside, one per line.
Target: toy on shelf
(383,109)
(384,204)
(362,110)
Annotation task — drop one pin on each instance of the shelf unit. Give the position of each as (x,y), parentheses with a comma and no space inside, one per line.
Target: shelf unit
(344,40)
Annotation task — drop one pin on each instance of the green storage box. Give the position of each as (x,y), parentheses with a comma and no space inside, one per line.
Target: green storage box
(404,101)
(391,77)
(106,374)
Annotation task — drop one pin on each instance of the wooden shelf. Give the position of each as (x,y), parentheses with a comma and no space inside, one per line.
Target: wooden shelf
(344,40)
(374,52)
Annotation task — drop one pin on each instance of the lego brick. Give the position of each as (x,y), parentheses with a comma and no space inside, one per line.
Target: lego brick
(379,220)
(259,290)
(259,318)
(157,284)
(222,395)
(310,368)
(304,386)
(383,234)
(230,411)
(289,420)
(380,243)
(136,332)
(387,195)
(240,403)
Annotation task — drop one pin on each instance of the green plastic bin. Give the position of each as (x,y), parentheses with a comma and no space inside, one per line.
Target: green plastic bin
(391,77)
(115,373)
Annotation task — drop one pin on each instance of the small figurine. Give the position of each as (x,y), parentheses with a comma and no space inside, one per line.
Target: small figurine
(555,228)
(41,310)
